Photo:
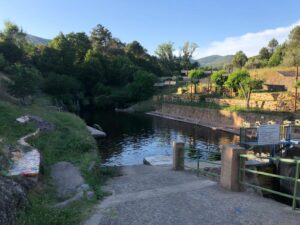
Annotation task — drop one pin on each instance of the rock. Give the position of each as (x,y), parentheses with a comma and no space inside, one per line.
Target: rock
(12,197)
(83,187)
(90,195)
(67,179)
(95,132)
(41,123)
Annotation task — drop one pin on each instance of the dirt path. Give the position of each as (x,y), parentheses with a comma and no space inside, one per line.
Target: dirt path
(156,195)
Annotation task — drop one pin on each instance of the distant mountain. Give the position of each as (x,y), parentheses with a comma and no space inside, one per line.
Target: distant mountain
(215,60)
(37,40)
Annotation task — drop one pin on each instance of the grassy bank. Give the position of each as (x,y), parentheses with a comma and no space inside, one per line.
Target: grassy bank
(70,141)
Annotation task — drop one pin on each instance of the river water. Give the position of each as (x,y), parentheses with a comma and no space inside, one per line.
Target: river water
(131,137)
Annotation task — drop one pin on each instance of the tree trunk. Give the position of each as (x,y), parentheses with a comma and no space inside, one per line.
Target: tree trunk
(248,100)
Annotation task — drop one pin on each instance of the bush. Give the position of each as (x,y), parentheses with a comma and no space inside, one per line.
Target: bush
(142,86)
(25,80)
(2,62)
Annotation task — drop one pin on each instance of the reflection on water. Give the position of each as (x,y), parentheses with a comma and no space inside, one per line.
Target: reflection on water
(131,137)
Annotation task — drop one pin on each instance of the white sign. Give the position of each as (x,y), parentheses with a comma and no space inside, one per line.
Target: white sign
(269,134)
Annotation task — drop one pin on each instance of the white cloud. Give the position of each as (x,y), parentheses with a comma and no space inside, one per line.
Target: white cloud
(250,43)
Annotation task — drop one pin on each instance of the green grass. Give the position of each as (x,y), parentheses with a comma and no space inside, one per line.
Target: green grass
(70,141)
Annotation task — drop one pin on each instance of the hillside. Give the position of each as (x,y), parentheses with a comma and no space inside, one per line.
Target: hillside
(274,75)
(215,60)
(37,40)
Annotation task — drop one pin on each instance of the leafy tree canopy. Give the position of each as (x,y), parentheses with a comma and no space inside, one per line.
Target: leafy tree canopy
(236,78)
(239,59)
(218,78)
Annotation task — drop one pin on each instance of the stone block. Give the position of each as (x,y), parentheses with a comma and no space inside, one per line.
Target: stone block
(230,167)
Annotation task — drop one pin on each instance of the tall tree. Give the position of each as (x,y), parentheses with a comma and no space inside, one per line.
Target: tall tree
(25,81)
(239,59)
(80,44)
(186,54)
(240,80)
(276,57)
(12,42)
(264,54)
(292,55)
(219,78)
(273,44)
(165,54)
(136,49)
(12,33)
(66,52)
(100,37)
(195,75)
(165,51)
(247,86)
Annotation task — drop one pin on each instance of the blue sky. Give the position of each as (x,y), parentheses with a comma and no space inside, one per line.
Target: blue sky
(217,26)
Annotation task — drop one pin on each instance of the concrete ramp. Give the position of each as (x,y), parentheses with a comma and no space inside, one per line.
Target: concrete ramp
(157,195)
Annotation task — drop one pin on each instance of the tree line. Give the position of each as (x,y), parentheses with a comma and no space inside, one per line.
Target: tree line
(81,70)
(275,54)
(236,77)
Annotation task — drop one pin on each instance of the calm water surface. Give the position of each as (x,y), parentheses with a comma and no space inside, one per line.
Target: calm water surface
(131,137)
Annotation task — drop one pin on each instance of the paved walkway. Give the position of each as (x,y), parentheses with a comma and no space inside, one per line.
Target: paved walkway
(156,195)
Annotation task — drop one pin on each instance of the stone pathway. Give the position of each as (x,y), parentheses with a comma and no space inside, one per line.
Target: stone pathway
(156,195)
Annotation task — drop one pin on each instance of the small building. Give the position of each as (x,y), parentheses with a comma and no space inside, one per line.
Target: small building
(274,87)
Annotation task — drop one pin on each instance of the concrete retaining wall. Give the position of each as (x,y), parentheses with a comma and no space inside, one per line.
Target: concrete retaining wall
(215,117)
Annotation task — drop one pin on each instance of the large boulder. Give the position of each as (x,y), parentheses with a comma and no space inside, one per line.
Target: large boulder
(67,179)
(12,197)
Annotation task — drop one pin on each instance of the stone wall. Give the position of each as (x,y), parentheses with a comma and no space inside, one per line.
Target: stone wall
(215,117)
(278,101)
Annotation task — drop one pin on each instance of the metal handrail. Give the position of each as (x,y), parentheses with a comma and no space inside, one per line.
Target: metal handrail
(296,180)
(198,158)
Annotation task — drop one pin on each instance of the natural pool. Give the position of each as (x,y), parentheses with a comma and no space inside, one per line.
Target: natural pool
(131,137)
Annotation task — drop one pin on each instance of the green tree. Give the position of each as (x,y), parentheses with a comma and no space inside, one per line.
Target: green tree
(25,81)
(13,34)
(66,53)
(121,70)
(292,55)
(2,62)
(142,86)
(219,78)
(276,57)
(264,54)
(80,44)
(236,78)
(228,67)
(93,70)
(167,59)
(256,62)
(136,49)
(273,44)
(65,90)
(195,75)
(247,86)
(186,54)
(240,80)
(239,59)
(100,37)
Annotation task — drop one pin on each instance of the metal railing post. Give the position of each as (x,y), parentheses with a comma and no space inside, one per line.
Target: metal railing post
(295,186)
(198,162)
